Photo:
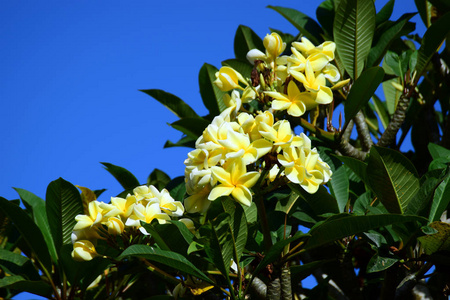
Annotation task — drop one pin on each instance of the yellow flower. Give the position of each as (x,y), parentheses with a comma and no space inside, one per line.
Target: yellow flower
(95,216)
(228,79)
(167,203)
(297,62)
(83,251)
(274,45)
(119,206)
(234,180)
(315,84)
(327,48)
(280,133)
(142,192)
(147,214)
(115,226)
(303,166)
(295,102)
(198,201)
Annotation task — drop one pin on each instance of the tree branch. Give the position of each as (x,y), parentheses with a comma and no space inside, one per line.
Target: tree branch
(346,148)
(363,131)
(396,122)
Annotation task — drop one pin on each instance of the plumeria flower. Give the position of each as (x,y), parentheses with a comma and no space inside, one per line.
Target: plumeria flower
(305,46)
(295,102)
(198,201)
(234,180)
(297,62)
(228,79)
(274,45)
(142,192)
(146,214)
(83,251)
(331,73)
(119,206)
(167,203)
(115,225)
(95,216)
(196,180)
(233,102)
(280,133)
(303,166)
(314,84)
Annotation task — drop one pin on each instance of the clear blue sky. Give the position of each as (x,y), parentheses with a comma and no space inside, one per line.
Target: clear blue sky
(71,71)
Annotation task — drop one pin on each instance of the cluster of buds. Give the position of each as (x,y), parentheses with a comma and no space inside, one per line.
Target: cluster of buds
(240,143)
(106,220)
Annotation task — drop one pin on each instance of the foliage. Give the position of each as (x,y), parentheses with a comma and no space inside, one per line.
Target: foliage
(268,161)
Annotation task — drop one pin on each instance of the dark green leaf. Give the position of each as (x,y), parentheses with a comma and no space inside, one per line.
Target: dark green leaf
(158,179)
(325,16)
(40,218)
(353,30)
(357,166)
(212,96)
(19,283)
(321,201)
(177,188)
(168,258)
(392,177)
(251,213)
(245,40)
(431,41)
(183,142)
(238,226)
(172,102)
(192,127)
(306,25)
(286,204)
(303,271)
(437,151)
(381,110)
(379,263)
(441,200)
(439,241)
(387,37)
(123,176)
(361,91)
(336,228)
(28,230)
(385,13)
(17,264)
(425,10)
(63,204)
(339,188)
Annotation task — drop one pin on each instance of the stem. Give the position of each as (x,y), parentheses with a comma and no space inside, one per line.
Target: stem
(346,148)
(396,122)
(274,289)
(259,288)
(411,280)
(363,131)
(50,279)
(286,288)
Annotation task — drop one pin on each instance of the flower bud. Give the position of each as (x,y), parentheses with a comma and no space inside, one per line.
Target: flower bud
(83,251)
(274,44)
(228,79)
(115,226)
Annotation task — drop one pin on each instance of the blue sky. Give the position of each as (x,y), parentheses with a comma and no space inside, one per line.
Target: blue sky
(71,71)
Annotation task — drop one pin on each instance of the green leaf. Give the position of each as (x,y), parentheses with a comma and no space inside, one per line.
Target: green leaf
(238,225)
(339,188)
(251,213)
(276,250)
(361,91)
(306,25)
(287,203)
(353,29)
(441,199)
(63,204)
(123,176)
(172,102)
(303,271)
(334,228)
(158,178)
(431,42)
(242,66)
(40,218)
(437,151)
(439,241)
(392,177)
(212,96)
(192,127)
(381,110)
(168,258)
(19,283)
(245,40)
(28,230)
(321,201)
(185,141)
(177,188)
(325,16)
(391,94)
(425,10)
(17,264)
(379,263)
(358,167)
(385,13)
(387,37)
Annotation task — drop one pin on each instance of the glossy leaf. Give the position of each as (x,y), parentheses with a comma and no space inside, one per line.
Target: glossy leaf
(17,264)
(347,225)
(392,177)
(40,218)
(357,166)
(353,30)
(321,201)
(245,40)
(192,127)
(379,263)
(339,187)
(173,236)
(385,12)
(29,231)
(186,141)
(306,25)
(212,96)
(425,10)
(437,151)
(361,91)
(21,284)
(238,225)
(387,37)
(158,179)
(168,258)
(63,204)
(441,199)
(431,42)
(381,110)
(172,102)
(325,16)
(123,176)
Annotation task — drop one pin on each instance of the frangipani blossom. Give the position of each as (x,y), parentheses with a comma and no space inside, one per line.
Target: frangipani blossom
(228,79)
(315,83)
(274,45)
(115,225)
(146,214)
(304,167)
(198,201)
(306,47)
(234,180)
(280,133)
(83,250)
(295,102)
(95,216)
(167,203)
(297,62)
(119,206)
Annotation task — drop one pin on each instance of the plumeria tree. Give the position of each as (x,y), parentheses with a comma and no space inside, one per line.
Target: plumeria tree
(295,171)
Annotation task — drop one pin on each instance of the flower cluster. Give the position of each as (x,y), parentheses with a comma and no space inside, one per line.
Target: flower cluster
(241,142)
(110,219)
